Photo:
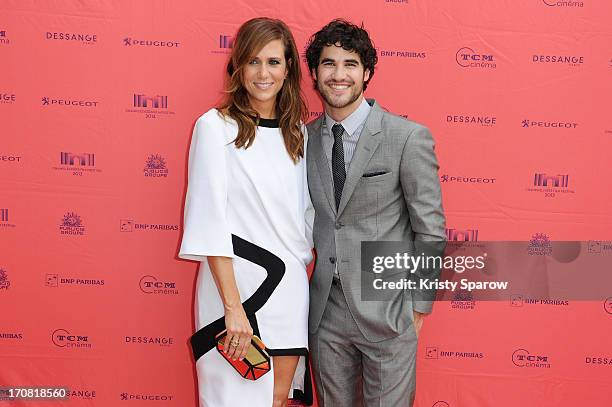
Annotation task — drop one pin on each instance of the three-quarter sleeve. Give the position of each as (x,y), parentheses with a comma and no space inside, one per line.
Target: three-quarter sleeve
(206,229)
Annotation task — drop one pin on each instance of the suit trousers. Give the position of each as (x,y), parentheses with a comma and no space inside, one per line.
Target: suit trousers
(350,371)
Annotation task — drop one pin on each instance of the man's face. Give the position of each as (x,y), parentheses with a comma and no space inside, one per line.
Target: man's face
(340,76)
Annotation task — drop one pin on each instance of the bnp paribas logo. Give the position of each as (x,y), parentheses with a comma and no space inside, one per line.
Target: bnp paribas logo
(551,185)
(72,224)
(152,106)
(155,166)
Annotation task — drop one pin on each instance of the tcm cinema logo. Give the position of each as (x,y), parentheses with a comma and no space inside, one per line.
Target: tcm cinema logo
(17,336)
(77,164)
(563,3)
(468,58)
(83,38)
(463,299)
(522,358)
(403,54)
(539,245)
(7,98)
(128,225)
(64,339)
(607,305)
(135,42)
(10,158)
(4,40)
(150,340)
(484,121)
(5,283)
(5,219)
(151,285)
(466,180)
(526,123)
(145,397)
(49,101)
(152,107)
(155,167)
(518,300)
(569,60)
(433,353)
(462,235)
(55,280)
(72,224)
(226,42)
(551,185)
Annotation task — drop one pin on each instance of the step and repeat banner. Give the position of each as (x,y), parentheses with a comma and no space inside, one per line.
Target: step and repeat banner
(97,104)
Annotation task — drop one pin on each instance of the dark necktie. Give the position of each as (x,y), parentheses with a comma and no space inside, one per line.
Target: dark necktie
(338,169)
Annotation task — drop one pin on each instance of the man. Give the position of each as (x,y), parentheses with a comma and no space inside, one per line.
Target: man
(372,177)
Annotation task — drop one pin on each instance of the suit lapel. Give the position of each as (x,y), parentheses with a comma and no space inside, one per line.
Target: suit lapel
(369,139)
(322,164)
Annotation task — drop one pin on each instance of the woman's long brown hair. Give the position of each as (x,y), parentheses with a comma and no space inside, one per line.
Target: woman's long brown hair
(290,106)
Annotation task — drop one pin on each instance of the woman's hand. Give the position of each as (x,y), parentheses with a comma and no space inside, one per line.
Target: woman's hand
(239,332)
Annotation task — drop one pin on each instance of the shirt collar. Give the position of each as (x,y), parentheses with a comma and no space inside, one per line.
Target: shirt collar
(353,121)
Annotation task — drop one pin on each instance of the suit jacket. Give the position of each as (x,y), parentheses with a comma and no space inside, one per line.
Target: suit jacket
(391,193)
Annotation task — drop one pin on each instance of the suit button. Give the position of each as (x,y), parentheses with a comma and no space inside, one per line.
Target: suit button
(332,260)
(338,225)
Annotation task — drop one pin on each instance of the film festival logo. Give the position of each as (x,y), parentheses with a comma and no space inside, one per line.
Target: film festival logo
(434,353)
(4,219)
(72,224)
(466,180)
(484,121)
(468,58)
(7,98)
(54,280)
(150,285)
(226,42)
(155,167)
(145,397)
(78,164)
(131,42)
(463,299)
(4,40)
(522,358)
(49,101)
(526,123)
(539,245)
(72,37)
(551,185)
(152,107)
(5,283)
(64,339)
(563,3)
(128,225)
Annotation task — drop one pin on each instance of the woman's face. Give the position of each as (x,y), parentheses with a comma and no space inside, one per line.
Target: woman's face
(264,76)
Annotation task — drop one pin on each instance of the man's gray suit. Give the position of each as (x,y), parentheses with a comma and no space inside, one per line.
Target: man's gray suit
(391,193)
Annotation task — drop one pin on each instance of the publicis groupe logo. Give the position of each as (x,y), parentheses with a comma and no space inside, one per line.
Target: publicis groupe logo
(5,219)
(527,123)
(463,235)
(149,105)
(129,225)
(522,358)
(463,299)
(145,397)
(55,280)
(607,305)
(406,54)
(539,245)
(569,60)
(11,335)
(467,119)
(5,283)
(563,3)
(72,224)
(7,98)
(151,285)
(226,42)
(10,158)
(4,40)
(137,42)
(65,339)
(150,340)
(466,57)
(78,164)
(518,300)
(551,185)
(155,166)
(83,38)
(466,180)
(50,101)
(433,352)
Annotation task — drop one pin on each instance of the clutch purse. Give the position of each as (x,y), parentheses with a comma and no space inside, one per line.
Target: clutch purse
(255,364)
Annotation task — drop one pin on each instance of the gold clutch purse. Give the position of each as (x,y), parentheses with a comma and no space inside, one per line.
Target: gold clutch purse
(255,364)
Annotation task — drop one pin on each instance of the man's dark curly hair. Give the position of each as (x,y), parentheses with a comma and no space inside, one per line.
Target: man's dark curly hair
(350,37)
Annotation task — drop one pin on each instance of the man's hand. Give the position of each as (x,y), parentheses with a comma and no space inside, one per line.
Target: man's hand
(418,321)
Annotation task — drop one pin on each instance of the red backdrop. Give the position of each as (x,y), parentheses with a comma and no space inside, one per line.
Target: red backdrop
(97,103)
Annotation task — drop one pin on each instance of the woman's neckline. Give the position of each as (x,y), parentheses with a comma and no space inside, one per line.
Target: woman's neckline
(271,123)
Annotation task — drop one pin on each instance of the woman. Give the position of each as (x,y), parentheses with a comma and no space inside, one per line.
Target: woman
(245,220)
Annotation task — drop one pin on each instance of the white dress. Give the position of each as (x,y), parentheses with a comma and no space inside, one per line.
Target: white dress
(251,205)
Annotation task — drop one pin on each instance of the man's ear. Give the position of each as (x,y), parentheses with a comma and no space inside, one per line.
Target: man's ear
(366,75)
(313,72)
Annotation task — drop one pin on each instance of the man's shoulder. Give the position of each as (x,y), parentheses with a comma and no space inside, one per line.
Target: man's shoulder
(394,121)
(314,126)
